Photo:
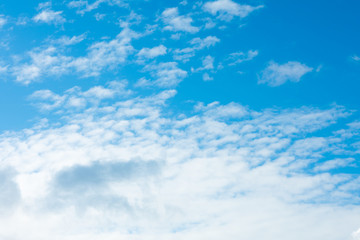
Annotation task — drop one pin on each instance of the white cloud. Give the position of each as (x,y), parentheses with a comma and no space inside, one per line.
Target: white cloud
(175,22)
(152,52)
(47,100)
(166,75)
(276,74)
(356,58)
(227,9)
(197,44)
(67,41)
(100,56)
(239,57)
(99,16)
(3,69)
(335,163)
(206,77)
(105,54)
(207,64)
(84,6)
(356,235)
(3,21)
(207,42)
(217,111)
(129,169)
(50,17)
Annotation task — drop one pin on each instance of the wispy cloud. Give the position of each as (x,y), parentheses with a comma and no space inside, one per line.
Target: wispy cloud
(277,74)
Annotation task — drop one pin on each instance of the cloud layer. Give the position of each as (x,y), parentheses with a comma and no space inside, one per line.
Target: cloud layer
(132,170)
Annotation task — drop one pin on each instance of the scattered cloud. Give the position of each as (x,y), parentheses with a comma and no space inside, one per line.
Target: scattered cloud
(277,74)
(175,22)
(228,9)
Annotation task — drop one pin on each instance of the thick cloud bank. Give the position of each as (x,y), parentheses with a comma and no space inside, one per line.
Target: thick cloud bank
(130,169)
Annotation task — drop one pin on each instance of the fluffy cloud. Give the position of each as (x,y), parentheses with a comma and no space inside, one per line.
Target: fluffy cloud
(176,22)
(227,9)
(277,74)
(129,169)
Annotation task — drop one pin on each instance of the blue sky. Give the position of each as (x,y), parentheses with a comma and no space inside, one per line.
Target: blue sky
(149,119)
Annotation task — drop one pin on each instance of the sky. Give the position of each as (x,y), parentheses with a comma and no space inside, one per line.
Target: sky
(150,119)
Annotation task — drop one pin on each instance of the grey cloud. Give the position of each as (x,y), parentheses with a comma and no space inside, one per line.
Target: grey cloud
(99,174)
(9,190)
